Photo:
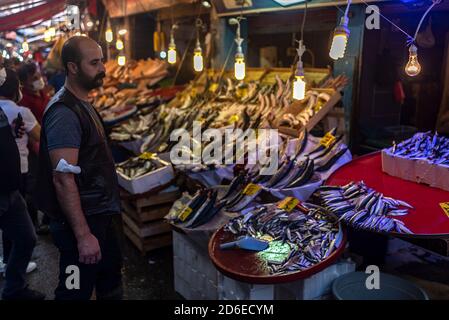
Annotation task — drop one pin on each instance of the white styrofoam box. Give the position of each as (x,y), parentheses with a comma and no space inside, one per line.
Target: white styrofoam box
(195,275)
(421,171)
(314,287)
(148,181)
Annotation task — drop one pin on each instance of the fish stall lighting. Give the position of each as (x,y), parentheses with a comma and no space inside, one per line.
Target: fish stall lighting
(299,85)
(119,44)
(171,55)
(206,4)
(163,55)
(198,63)
(341,35)
(109,35)
(121,60)
(412,68)
(47,36)
(239,64)
(52,31)
(122,32)
(25,46)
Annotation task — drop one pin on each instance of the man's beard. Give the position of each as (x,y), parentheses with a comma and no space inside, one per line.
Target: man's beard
(91,83)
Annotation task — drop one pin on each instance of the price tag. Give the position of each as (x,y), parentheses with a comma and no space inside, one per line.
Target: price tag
(185,213)
(242,92)
(327,140)
(445,207)
(147,156)
(288,204)
(213,87)
(251,189)
(233,119)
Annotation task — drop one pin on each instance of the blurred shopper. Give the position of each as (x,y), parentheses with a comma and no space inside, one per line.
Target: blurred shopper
(36,99)
(15,221)
(77,184)
(10,93)
(34,96)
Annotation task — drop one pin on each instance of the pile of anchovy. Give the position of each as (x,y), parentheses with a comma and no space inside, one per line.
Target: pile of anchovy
(308,231)
(136,167)
(364,208)
(424,145)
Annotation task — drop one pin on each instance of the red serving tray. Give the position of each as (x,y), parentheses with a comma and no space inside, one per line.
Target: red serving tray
(427,220)
(247,266)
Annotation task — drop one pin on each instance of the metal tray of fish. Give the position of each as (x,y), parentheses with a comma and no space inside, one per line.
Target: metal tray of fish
(302,242)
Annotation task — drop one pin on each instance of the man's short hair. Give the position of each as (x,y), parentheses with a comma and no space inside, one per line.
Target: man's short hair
(27,70)
(71,51)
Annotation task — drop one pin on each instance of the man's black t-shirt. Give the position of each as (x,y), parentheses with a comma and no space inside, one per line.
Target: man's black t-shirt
(9,157)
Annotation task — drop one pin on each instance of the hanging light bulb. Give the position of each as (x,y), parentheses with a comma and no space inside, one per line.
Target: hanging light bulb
(299,85)
(47,36)
(119,44)
(171,54)
(412,68)
(121,59)
(109,35)
(25,46)
(341,35)
(52,31)
(340,39)
(239,64)
(198,64)
(122,32)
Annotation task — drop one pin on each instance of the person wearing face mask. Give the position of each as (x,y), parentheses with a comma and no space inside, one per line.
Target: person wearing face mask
(77,183)
(15,223)
(34,96)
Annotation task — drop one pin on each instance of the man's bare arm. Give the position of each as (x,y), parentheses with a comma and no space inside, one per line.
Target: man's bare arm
(70,203)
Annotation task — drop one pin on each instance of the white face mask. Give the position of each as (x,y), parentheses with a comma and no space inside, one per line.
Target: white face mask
(38,84)
(2,76)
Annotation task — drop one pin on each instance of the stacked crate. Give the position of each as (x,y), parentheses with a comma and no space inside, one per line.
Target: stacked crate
(143,218)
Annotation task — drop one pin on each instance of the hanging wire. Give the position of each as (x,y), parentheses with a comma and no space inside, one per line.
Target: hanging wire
(187,48)
(434,2)
(304,22)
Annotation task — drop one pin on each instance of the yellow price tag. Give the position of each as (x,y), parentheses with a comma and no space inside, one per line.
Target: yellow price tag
(147,156)
(445,207)
(233,119)
(266,237)
(327,140)
(251,189)
(288,204)
(242,92)
(185,213)
(213,87)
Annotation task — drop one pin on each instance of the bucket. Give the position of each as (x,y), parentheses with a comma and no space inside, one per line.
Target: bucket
(352,286)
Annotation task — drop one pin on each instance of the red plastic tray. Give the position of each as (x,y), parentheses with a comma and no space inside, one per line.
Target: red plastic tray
(427,220)
(247,266)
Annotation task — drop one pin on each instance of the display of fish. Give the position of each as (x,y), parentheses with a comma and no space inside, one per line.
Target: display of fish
(137,166)
(425,146)
(308,231)
(364,208)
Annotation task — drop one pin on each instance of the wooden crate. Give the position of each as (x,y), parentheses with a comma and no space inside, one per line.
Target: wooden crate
(150,243)
(143,221)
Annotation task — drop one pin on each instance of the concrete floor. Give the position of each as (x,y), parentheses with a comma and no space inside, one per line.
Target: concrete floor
(151,277)
(144,278)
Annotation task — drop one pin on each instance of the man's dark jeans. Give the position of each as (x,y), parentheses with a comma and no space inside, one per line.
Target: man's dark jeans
(105,277)
(16,225)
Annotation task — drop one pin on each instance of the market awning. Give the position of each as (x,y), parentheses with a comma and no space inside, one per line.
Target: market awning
(28,12)
(121,8)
